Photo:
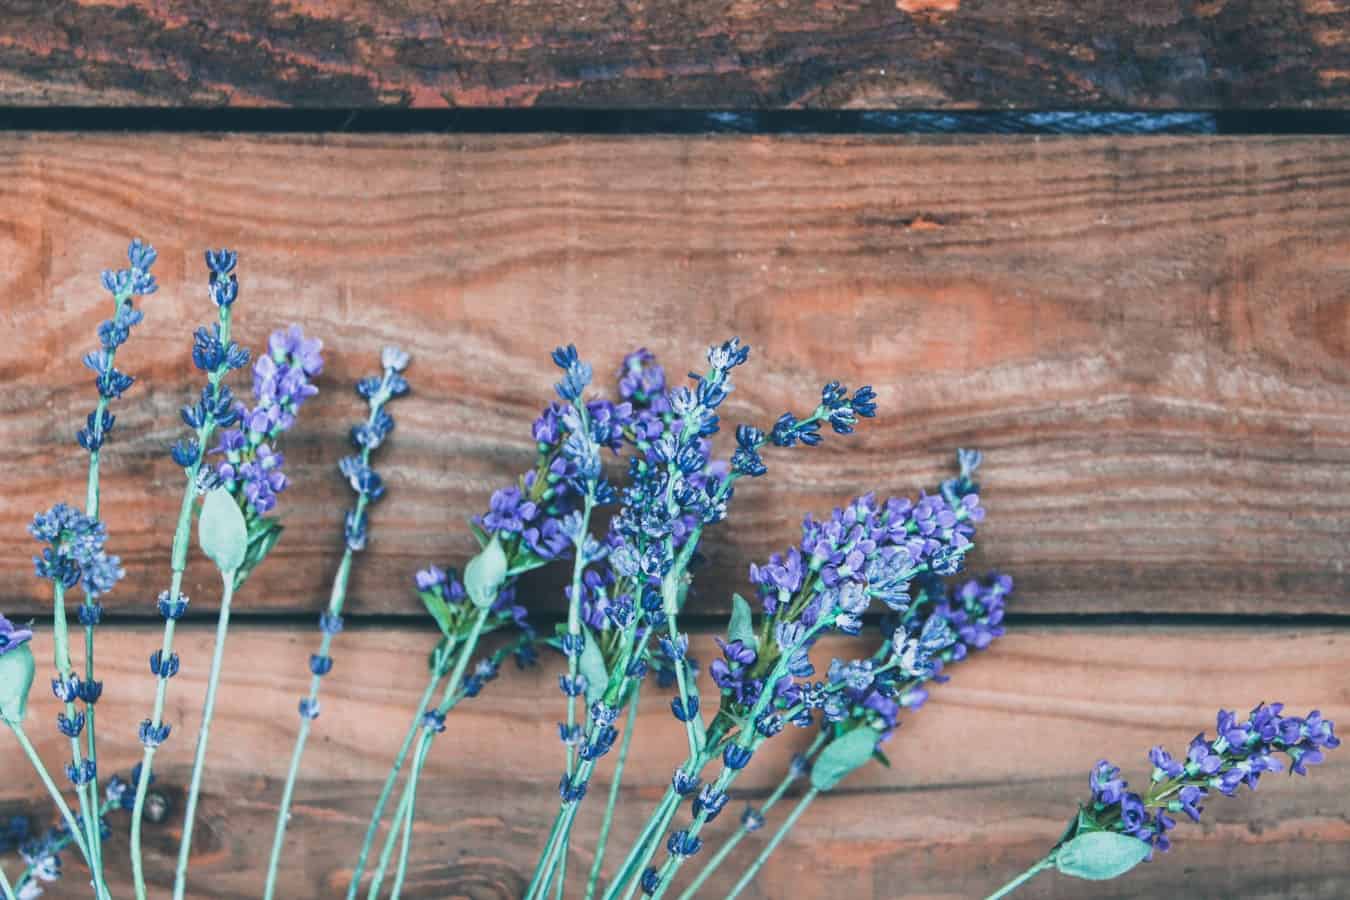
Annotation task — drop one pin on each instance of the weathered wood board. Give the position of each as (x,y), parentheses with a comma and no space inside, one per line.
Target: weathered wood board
(1149,338)
(982,781)
(905,54)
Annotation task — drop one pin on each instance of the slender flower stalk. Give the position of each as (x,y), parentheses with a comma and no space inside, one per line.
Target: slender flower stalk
(76,832)
(752,819)
(250,478)
(616,781)
(124,285)
(216,355)
(433,723)
(368,487)
(750,873)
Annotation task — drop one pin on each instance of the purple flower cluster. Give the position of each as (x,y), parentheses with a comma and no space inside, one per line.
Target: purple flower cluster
(445,587)
(942,627)
(12,636)
(1241,753)
(282,381)
(217,356)
(124,285)
(75,551)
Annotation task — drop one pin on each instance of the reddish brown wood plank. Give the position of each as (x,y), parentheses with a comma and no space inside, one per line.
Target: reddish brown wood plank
(597,53)
(1149,338)
(983,777)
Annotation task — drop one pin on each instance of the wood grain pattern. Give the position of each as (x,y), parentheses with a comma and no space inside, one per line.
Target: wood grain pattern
(983,777)
(1149,338)
(601,53)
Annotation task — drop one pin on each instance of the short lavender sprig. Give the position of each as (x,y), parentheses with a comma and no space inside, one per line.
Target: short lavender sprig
(866,550)
(367,485)
(941,628)
(216,355)
(1240,754)
(74,555)
(124,285)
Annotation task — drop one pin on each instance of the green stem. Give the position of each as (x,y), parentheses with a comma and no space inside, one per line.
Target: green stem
(545,860)
(390,780)
(199,761)
(64,668)
(741,832)
(1022,879)
(395,829)
(5,886)
(408,818)
(403,817)
(645,846)
(750,873)
(336,599)
(615,782)
(180,544)
(76,832)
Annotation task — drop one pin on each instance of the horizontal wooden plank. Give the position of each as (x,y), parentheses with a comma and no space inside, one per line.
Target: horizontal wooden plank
(982,780)
(597,53)
(1148,338)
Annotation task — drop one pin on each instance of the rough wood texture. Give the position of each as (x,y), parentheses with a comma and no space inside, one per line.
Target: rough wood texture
(983,779)
(1148,338)
(600,53)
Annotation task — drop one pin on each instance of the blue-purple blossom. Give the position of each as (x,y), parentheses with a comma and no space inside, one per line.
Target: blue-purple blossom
(74,553)
(12,636)
(1242,752)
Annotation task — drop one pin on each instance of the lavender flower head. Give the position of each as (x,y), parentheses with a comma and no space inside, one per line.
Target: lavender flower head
(74,554)
(251,467)
(369,436)
(1240,754)
(12,636)
(124,285)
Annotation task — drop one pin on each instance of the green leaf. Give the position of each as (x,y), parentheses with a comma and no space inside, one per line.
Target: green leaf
(841,756)
(263,535)
(485,573)
(222,531)
(439,609)
(592,665)
(1101,855)
(479,534)
(742,626)
(16,681)
(881,757)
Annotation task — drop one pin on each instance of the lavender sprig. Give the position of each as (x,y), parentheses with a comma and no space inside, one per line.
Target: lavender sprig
(378,391)
(676,493)
(1117,828)
(866,550)
(74,555)
(216,407)
(868,696)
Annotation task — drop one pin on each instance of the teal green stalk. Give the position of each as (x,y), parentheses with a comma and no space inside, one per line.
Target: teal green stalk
(630,872)
(378,815)
(178,565)
(91,509)
(750,873)
(5,886)
(741,832)
(403,817)
(608,821)
(61,651)
(410,815)
(75,832)
(336,599)
(203,737)
(1046,863)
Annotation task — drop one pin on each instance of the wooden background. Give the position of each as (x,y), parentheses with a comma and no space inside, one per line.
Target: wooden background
(1148,337)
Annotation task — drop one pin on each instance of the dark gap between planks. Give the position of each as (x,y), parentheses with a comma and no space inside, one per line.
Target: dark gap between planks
(677,122)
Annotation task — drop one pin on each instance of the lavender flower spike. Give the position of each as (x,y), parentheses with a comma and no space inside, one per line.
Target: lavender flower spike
(281,385)
(1118,828)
